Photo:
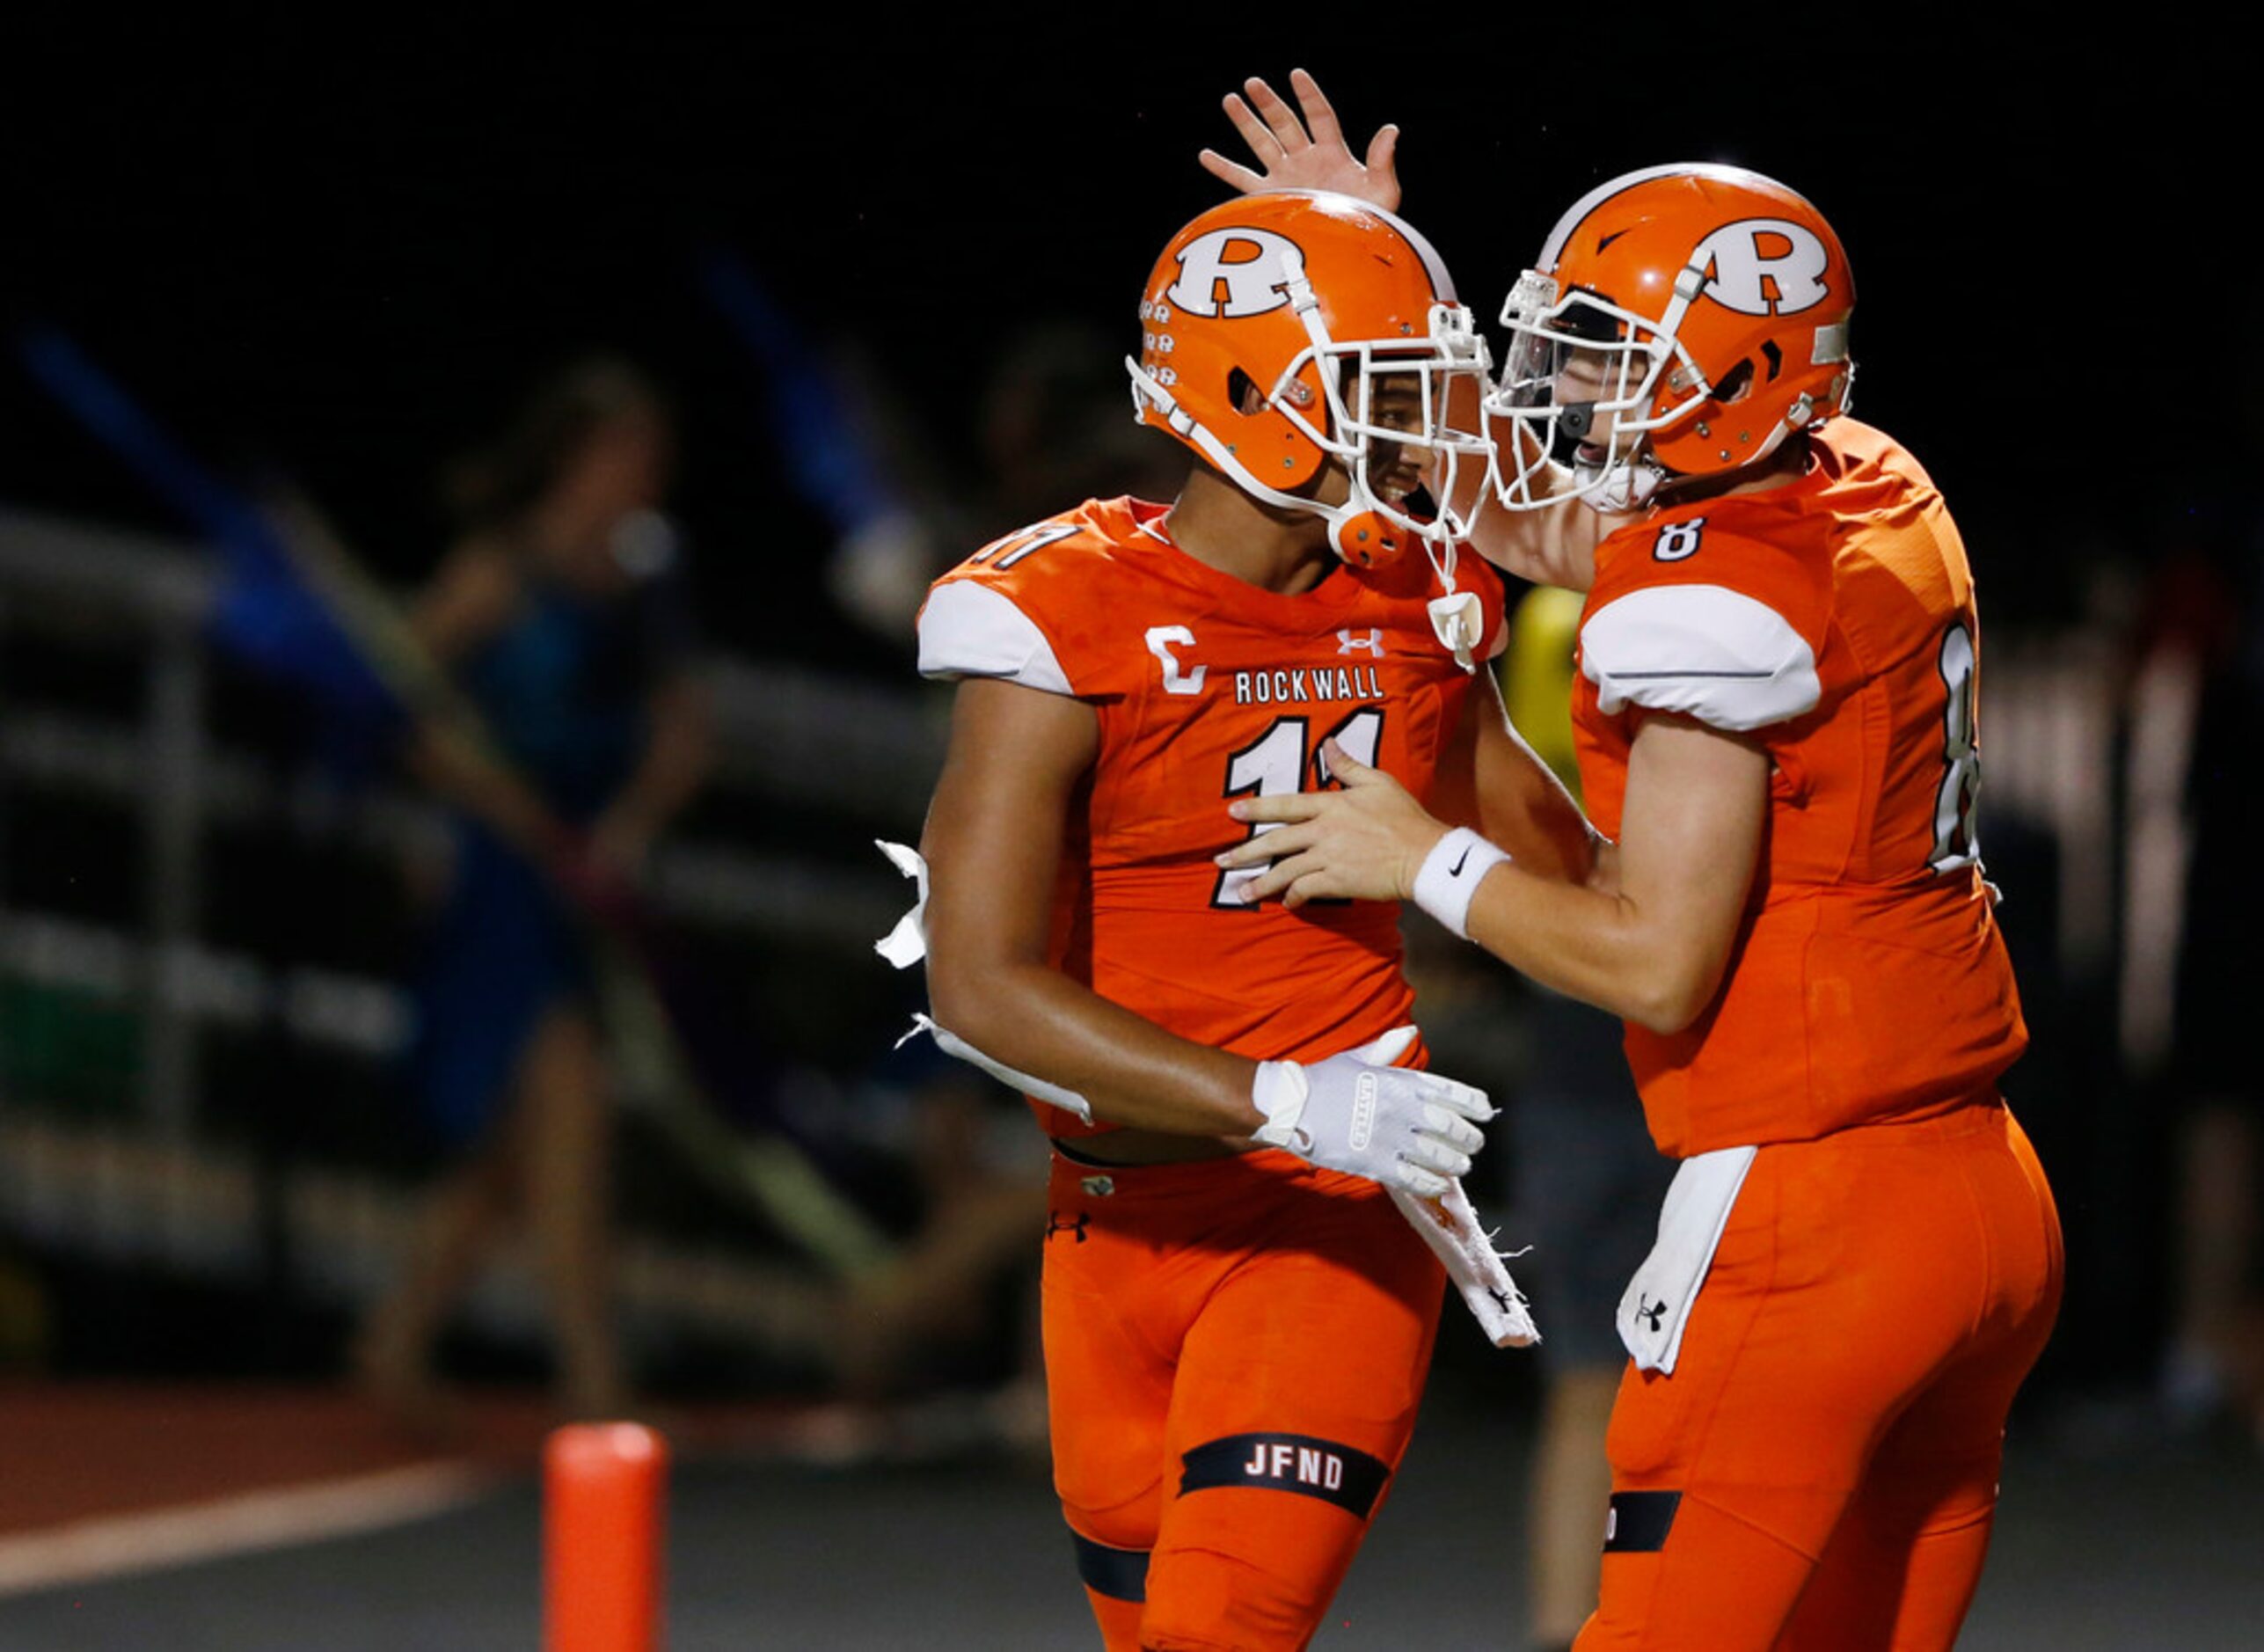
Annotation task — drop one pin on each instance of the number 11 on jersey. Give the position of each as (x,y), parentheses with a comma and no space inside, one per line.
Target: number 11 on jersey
(1277,762)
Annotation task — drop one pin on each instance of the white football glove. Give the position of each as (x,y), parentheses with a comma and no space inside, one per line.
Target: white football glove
(1357,1112)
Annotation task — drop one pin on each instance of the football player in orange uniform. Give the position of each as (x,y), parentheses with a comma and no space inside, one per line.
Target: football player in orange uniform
(1238,1321)
(1776,714)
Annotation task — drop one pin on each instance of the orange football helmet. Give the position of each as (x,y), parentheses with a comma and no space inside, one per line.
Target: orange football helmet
(1680,323)
(1267,329)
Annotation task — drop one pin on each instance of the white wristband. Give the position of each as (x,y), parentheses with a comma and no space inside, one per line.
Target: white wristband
(1450,874)
(1280,1090)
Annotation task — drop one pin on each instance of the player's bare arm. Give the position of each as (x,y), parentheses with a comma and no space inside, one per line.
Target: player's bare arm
(1651,950)
(1015,761)
(1552,545)
(1490,780)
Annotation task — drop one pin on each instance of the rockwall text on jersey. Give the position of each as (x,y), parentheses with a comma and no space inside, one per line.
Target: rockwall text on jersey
(1207,688)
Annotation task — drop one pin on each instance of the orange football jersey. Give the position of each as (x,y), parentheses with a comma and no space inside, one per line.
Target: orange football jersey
(1207,688)
(1832,621)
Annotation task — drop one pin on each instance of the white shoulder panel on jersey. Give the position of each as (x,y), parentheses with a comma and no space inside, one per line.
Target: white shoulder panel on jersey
(1704,651)
(970,630)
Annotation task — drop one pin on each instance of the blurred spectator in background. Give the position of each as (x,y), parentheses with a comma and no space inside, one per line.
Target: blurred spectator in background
(954,1307)
(1053,424)
(1056,424)
(2198,723)
(563,613)
(1587,1183)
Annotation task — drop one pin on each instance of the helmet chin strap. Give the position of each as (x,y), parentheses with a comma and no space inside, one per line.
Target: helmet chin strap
(1358,532)
(1458,618)
(1643,479)
(1362,537)
(1188,428)
(1614,489)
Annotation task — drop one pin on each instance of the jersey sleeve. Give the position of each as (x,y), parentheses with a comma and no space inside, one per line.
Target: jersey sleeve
(969,629)
(1727,658)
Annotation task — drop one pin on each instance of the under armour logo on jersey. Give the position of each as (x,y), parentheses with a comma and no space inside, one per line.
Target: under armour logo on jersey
(1161,640)
(1056,1224)
(1763,266)
(1678,540)
(1371,639)
(1236,273)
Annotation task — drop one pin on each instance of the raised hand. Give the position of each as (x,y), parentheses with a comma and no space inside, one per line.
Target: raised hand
(1307,154)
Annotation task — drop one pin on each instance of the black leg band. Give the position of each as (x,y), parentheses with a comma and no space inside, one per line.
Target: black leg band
(1119,1574)
(1639,1521)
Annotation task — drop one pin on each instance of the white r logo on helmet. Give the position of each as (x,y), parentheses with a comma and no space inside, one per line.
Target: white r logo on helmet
(1763,266)
(1252,264)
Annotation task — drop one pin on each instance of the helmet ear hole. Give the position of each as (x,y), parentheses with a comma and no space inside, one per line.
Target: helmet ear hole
(1243,394)
(1735,381)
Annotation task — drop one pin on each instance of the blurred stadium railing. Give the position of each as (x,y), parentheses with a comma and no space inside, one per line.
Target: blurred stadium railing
(145,798)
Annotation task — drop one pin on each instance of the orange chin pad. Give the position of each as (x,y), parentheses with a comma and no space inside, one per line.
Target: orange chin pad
(1365,540)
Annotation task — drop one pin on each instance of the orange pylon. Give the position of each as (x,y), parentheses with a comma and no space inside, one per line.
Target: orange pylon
(604,1486)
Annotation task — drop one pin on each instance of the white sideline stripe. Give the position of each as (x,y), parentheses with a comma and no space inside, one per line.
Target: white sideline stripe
(118,1545)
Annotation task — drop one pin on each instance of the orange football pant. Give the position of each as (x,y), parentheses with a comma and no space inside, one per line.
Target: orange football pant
(1235,1349)
(1820,1469)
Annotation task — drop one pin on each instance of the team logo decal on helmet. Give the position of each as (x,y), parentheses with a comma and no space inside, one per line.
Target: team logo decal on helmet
(1680,323)
(1254,282)
(1286,332)
(1744,273)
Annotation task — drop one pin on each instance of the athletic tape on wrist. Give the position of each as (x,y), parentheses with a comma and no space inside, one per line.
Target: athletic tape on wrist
(1013,1077)
(1280,1090)
(1450,874)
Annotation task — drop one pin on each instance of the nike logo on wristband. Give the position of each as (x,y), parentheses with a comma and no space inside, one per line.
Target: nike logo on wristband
(1443,887)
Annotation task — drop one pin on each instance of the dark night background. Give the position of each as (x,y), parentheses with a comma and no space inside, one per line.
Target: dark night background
(347,248)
